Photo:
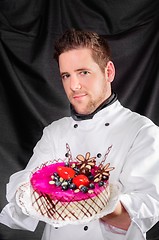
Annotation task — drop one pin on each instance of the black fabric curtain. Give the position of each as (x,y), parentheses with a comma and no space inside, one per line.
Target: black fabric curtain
(31,94)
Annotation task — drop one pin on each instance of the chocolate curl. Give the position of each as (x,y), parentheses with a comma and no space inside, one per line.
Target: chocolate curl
(105,156)
(69,155)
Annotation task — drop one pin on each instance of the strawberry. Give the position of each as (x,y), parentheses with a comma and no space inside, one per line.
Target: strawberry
(81,180)
(65,172)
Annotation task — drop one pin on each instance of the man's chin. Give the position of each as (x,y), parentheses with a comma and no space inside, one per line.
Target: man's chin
(83,110)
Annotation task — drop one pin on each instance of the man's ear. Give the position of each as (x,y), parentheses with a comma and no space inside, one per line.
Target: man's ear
(110,71)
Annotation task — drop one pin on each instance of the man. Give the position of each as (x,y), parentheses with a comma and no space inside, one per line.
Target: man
(97,121)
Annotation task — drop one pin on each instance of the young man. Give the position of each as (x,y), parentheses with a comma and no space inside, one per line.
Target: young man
(97,121)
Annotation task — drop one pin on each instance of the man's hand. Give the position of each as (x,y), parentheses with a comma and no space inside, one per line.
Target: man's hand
(119,218)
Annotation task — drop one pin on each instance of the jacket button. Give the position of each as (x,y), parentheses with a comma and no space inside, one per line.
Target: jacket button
(107,124)
(99,155)
(85,228)
(76,125)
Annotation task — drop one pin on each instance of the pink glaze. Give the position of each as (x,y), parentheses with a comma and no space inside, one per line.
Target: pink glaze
(40,183)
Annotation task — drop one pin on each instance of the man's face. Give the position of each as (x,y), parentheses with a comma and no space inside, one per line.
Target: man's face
(86,86)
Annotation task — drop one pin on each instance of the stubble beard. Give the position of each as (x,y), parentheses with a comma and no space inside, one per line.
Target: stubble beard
(90,106)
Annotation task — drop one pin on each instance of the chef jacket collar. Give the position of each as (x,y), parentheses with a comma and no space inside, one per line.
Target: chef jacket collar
(78,117)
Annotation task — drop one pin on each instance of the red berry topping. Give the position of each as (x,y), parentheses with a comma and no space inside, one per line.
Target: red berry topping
(65,172)
(81,180)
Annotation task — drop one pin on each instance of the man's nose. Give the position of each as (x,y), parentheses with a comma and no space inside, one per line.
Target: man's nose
(75,83)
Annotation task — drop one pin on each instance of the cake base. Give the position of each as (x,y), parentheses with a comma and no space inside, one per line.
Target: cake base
(70,211)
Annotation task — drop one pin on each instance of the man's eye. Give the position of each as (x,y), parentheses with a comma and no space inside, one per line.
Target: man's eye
(84,73)
(65,76)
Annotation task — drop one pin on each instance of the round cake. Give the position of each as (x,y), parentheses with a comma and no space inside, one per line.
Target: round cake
(71,190)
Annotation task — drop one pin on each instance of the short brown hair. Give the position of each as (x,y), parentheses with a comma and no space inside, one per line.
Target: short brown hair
(75,39)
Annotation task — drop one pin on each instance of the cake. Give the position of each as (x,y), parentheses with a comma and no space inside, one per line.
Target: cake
(71,190)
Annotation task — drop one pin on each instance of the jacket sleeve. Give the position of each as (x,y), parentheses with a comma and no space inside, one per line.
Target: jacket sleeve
(12,215)
(140,180)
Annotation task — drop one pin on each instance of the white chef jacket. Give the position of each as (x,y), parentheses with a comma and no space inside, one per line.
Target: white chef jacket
(134,154)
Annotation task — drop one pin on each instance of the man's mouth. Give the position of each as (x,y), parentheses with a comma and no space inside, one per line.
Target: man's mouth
(79,96)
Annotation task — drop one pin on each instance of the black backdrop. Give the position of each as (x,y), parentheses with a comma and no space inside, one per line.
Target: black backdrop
(30,89)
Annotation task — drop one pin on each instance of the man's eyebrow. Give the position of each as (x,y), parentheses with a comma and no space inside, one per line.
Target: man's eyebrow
(82,69)
(77,70)
(63,73)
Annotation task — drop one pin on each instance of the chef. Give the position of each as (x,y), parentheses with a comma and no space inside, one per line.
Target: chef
(97,121)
